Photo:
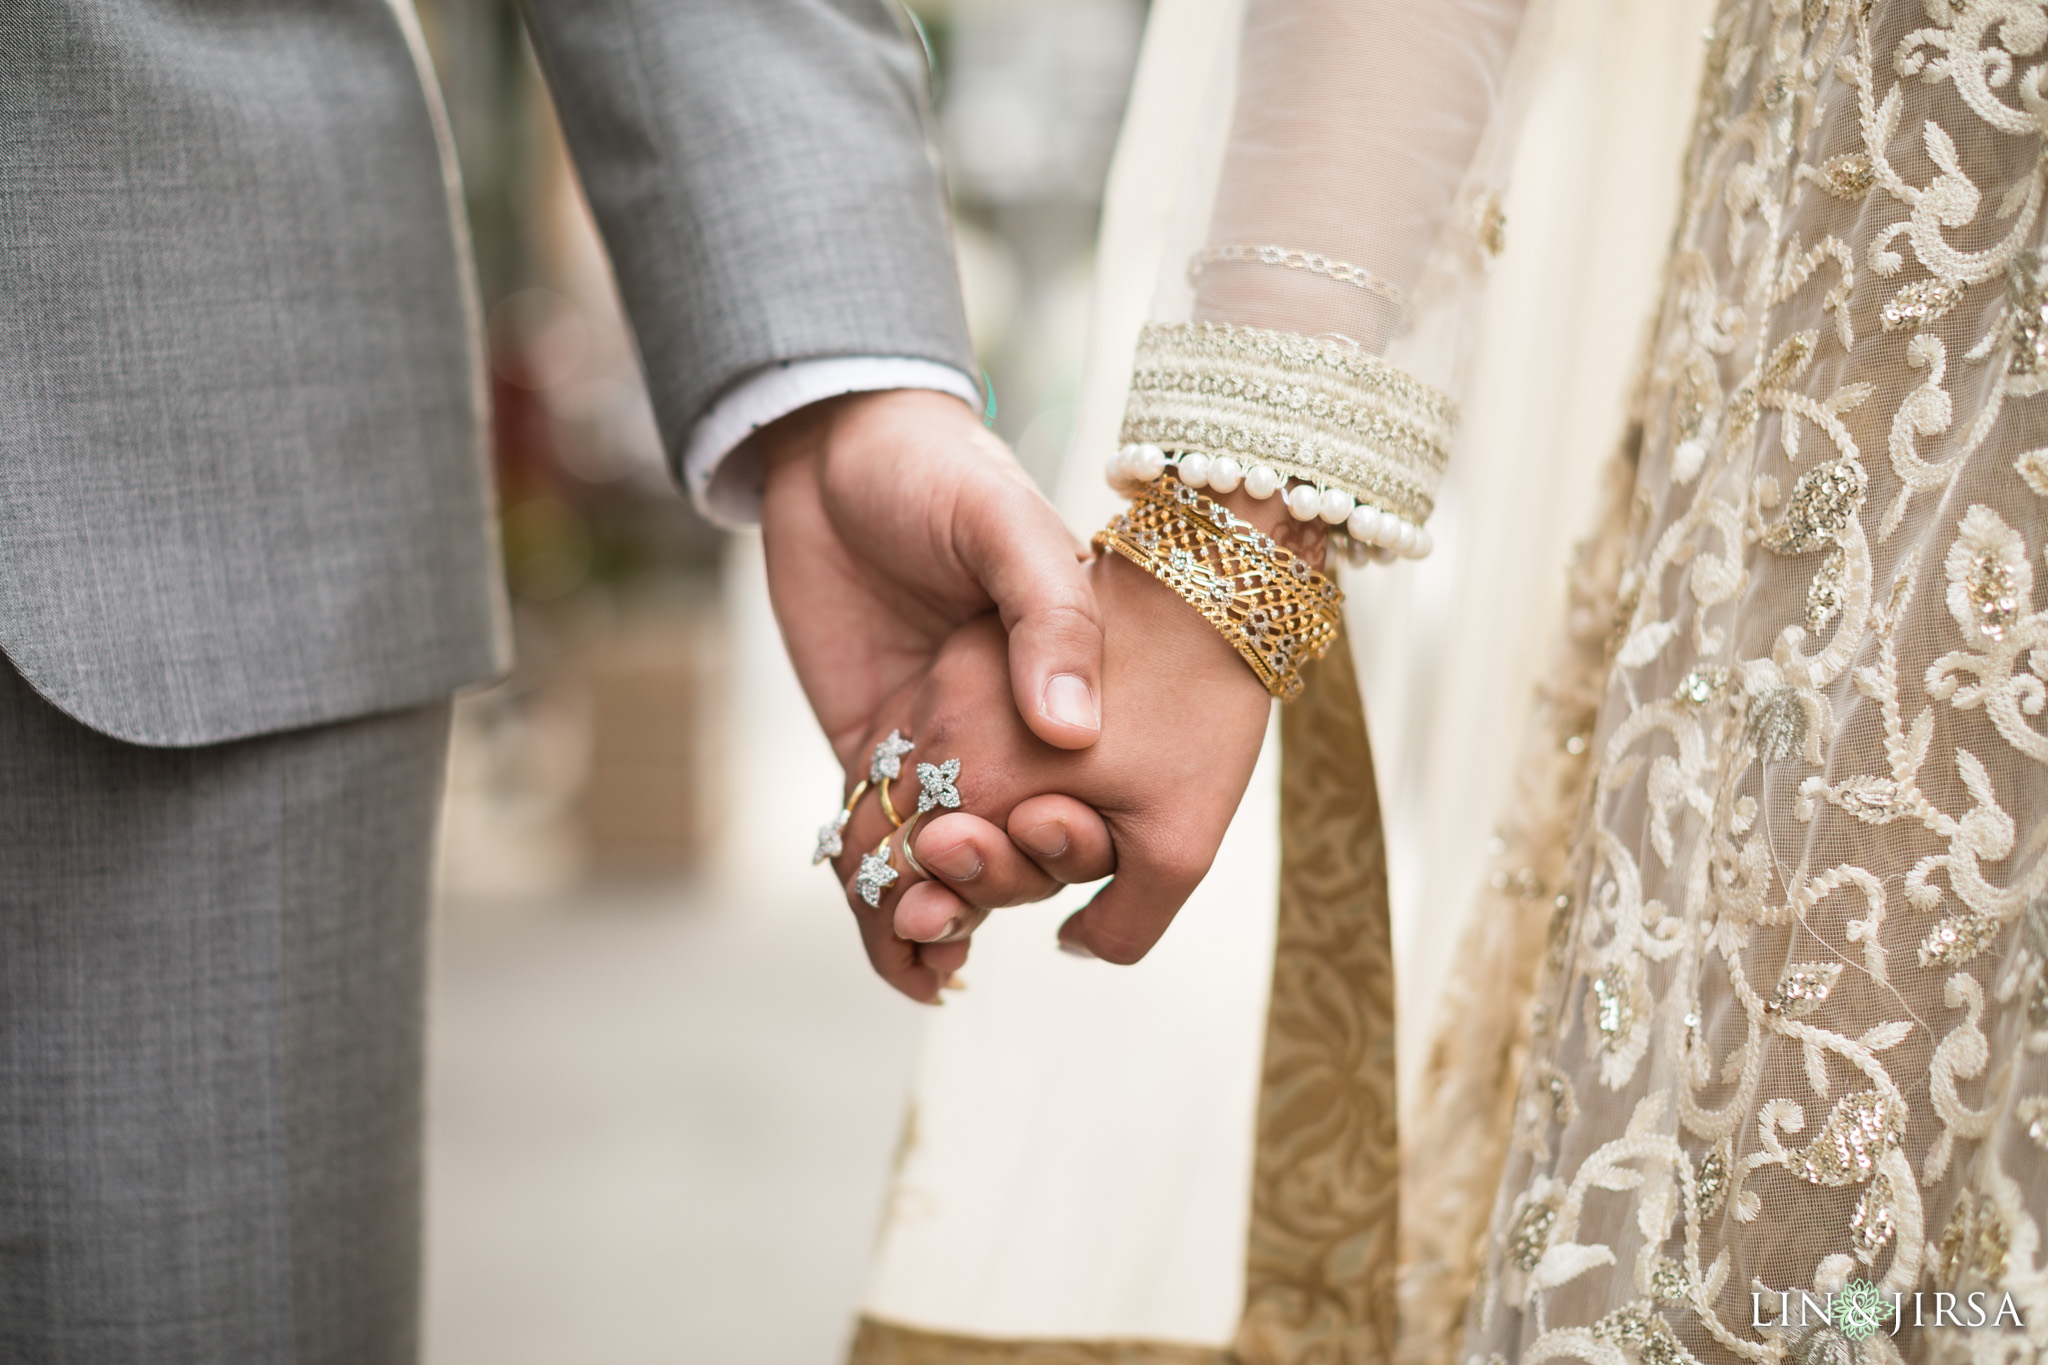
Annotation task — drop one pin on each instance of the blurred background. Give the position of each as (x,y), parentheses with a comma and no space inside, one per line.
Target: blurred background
(665,1088)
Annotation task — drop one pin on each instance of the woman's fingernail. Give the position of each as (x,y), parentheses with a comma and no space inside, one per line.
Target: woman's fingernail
(954,983)
(1048,840)
(1068,945)
(1070,701)
(960,863)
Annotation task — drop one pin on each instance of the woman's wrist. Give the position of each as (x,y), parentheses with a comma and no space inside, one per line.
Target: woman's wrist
(1177,643)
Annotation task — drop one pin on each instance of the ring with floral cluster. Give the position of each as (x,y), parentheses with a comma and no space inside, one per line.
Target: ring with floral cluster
(886,763)
(876,873)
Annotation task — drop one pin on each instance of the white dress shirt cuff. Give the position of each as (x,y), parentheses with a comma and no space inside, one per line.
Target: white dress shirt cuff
(723,473)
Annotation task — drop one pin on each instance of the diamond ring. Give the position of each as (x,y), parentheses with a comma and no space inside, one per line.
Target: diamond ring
(937,784)
(831,841)
(888,759)
(875,875)
(885,767)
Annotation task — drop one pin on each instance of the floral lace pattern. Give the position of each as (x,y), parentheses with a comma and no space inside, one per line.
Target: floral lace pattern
(1795,1030)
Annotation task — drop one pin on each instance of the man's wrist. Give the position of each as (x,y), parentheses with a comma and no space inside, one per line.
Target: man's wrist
(721,466)
(794,437)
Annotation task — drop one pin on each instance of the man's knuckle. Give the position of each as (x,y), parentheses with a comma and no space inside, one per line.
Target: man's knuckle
(1069,598)
(1181,868)
(1119,946)
(1027,888)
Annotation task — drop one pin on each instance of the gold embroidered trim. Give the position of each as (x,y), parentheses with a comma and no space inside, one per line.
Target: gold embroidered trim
(876,1342)
(1322,1252)
(1312,409)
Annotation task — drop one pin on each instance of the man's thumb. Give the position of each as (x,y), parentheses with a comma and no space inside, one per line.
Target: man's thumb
(1017,545)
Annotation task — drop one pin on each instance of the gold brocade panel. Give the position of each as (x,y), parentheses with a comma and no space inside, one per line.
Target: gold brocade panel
(1319,1274)
(887,1343)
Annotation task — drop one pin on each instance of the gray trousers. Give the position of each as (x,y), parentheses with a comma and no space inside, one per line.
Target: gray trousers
(212,965)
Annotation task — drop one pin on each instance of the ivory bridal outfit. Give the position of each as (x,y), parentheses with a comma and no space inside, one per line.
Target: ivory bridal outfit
(1753,1006)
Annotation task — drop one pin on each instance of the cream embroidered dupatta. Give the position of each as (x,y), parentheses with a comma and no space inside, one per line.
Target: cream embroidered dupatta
(1786,1092)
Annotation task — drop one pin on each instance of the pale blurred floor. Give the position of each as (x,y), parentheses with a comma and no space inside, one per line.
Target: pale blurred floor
(660,1124)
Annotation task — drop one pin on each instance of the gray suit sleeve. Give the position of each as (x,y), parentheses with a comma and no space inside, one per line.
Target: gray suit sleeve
(761,173)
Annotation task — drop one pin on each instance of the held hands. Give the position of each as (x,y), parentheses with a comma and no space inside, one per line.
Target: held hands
(1182,723)
(1101,726)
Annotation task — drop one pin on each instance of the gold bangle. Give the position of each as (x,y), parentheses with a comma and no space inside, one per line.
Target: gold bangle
(1276,611)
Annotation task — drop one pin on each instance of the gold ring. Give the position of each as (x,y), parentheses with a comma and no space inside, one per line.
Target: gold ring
(910,854)
(888,806)
(830,844)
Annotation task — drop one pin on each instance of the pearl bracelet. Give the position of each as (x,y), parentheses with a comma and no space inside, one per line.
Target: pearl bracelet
(1369,531)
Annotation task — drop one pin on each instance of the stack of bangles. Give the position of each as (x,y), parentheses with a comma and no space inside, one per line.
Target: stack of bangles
(938,789)
(1346,440)
(1274,609)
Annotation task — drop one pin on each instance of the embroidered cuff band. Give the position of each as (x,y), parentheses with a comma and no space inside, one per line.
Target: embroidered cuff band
(1312,409)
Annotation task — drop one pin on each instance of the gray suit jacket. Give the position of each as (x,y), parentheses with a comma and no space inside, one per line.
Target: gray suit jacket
(242,460)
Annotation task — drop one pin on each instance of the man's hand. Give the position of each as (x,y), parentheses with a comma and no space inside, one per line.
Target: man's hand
(891,519)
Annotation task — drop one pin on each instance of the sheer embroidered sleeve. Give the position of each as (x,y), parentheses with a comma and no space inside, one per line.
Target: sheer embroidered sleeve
(1353,213)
